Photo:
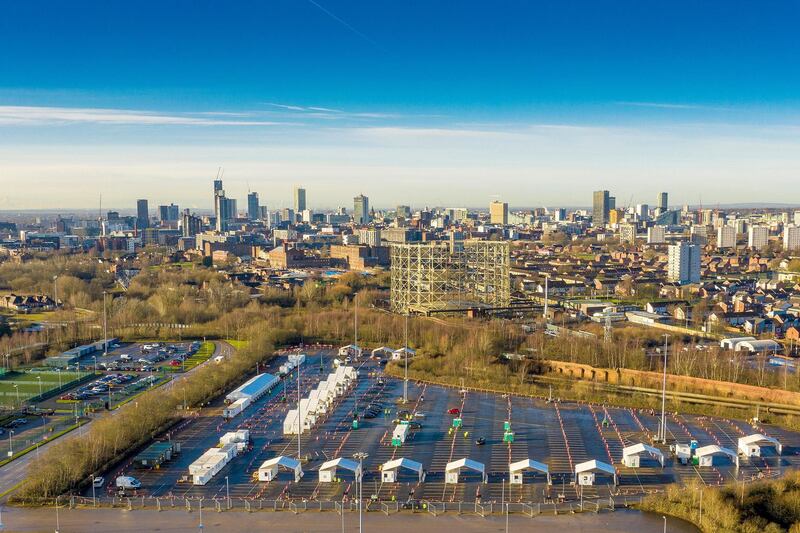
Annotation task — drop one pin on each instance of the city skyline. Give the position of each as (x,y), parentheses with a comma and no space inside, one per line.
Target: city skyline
(347,98)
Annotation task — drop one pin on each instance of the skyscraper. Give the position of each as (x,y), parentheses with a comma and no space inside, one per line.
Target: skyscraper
(403,211)
(168,213)
(663,201)
(726,237)
(361,209)
(791,238)
(252,206)
(656,235)
(190,225)
(757,237)
(142,214)
(498,212)
(600,207)
(299,199)
(683,264)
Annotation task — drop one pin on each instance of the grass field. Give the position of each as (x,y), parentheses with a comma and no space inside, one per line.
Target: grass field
(206,350)
(28,384)
(237,345)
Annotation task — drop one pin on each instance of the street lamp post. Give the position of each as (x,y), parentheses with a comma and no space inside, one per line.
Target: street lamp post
(360,456)
(405,353)
(663,436)
(299,416)
(16,388)
(10,443)
(39,378)
(94,500)
(228,491)
(665,523)
(59,377)
(200,526)
(105,331)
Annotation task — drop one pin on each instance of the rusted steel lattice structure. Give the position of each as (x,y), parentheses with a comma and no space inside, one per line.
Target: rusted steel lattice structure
(444,276)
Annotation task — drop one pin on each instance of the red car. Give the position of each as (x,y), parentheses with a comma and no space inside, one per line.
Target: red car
(454,411)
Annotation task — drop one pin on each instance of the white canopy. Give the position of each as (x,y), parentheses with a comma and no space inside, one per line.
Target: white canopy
(596,466)
(408,464)
(269,468)
(640,448)
(340,462)
(756,438)
(456,466)
(529,464)
(713,449)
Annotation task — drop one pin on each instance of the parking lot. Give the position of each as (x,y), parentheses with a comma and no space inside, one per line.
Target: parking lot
(559,434)
(145,357)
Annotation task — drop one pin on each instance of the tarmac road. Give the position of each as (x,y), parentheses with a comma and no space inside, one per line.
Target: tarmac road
(123,521)
(12,474)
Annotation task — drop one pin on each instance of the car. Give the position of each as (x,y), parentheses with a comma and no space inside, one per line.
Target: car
(480,441)
(98,482)
(454,411)
(419,415)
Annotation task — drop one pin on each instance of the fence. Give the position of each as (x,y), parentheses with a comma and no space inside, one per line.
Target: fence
(437,508)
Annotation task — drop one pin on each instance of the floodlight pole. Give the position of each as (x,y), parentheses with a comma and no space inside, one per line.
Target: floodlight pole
(663,436)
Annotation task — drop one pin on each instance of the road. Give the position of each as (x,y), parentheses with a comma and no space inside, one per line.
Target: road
(11,474)
(122,521)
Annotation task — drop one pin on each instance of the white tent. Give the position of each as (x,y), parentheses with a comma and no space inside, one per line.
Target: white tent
(390,468)
(453,469)
(631,454)
(383,351)
(750,446)
(517,469)
(269,468)
(705,455)
(328,469)
(585,472)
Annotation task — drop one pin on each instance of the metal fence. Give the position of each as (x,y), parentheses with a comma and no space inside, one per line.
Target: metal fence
(435,508)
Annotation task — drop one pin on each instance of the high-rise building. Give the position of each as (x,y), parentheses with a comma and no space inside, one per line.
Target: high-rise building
(168,213)
(656,235)
(663,201)
(252,206)
(560,214)
(217,186)
(699,235)
(796,218)
(627,233)
(403,211)
(224,209)
(615,216)
(600,208)
(299,199)
(498,212)
(791,237)
(757,237)
(191,225)
(142,214)
(371,237)
(683,265)
(361,209)
(726,237)
(642,211)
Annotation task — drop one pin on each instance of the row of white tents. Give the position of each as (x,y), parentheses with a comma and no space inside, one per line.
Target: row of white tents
(585,472)
(319,401)
(214,459)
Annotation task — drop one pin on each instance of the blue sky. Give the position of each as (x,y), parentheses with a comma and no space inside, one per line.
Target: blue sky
(419,102)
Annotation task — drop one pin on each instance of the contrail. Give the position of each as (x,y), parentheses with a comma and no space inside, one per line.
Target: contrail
(343,23)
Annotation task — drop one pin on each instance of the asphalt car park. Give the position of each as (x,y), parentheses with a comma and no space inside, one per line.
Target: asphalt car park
(559,434)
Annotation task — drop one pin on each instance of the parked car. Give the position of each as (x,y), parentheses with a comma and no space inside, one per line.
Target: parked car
(454,411)
(128,482)
(98,482)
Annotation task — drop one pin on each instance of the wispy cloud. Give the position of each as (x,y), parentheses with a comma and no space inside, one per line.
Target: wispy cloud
(32,116)
(328,113)
(666,105)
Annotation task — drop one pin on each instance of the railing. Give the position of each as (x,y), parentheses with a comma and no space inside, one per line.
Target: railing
(483,509)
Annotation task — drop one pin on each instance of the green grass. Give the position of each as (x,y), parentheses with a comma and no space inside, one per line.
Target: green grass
(202,355)
(28,384)
(237,345)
